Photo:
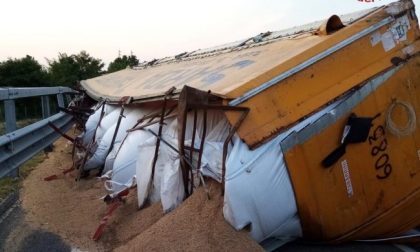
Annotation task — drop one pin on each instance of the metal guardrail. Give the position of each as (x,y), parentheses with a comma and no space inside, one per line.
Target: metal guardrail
(18,146)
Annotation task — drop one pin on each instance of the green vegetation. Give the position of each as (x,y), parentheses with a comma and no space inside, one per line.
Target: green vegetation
(24,72)
(29,165)
(65,70)
(9,185)
(68,70)
(19,124)
(122,63)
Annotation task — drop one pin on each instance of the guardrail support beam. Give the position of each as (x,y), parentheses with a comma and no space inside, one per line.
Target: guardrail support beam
(45,102)
(10,115)
(60,100)
(68,98)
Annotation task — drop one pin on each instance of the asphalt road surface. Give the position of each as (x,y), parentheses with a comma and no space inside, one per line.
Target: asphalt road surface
(17,235)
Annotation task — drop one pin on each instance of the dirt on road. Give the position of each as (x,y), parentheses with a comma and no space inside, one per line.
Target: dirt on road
(73,209)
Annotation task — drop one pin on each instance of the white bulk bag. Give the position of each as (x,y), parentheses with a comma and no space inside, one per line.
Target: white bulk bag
(92,122)
(124,167)
(146,152)
(109,161)
(258,190)
(167,185)
(171,190)
(106,123)
(211,161)
(127,122)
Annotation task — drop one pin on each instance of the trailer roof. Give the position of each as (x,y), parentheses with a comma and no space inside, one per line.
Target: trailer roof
(221,69)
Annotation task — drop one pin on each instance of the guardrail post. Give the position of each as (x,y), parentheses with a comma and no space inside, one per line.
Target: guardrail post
(60,100)
(24,143)
(68,98)
(45,102)
(10,118)
(10,115)
(46,112)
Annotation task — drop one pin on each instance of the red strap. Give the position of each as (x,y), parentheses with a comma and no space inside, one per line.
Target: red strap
(53,177)
(99,231)
(56,129)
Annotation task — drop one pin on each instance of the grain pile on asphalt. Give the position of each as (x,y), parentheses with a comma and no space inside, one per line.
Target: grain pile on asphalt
(73,210)
(196,225)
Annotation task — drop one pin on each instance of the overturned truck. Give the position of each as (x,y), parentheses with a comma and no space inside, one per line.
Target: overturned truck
(311,131)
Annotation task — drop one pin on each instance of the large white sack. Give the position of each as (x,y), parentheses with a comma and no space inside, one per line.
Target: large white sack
(124,166)
(170,134)
(106,123)
(124,163)
(211,161)
(146,152)
(109,161)
(213,119)
(258,190)
(217,131)
(167,185)
(127,122)
(92,122)
(171,183)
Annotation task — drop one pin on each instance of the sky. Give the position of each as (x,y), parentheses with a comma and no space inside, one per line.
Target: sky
(149,28)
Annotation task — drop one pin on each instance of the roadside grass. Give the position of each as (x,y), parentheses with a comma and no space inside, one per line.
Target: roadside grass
(19,124)
(9,185)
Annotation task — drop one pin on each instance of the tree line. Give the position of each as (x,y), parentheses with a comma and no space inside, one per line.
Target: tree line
(65,70)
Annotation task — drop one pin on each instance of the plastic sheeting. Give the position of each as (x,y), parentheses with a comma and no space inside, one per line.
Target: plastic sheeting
(258,190)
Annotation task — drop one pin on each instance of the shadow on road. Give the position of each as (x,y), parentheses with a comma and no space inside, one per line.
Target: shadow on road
(17,235)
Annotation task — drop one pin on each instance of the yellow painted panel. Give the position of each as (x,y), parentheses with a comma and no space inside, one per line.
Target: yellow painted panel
(286,103)
(379,204)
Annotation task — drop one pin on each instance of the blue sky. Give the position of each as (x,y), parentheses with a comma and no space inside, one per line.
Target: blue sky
(150,29)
